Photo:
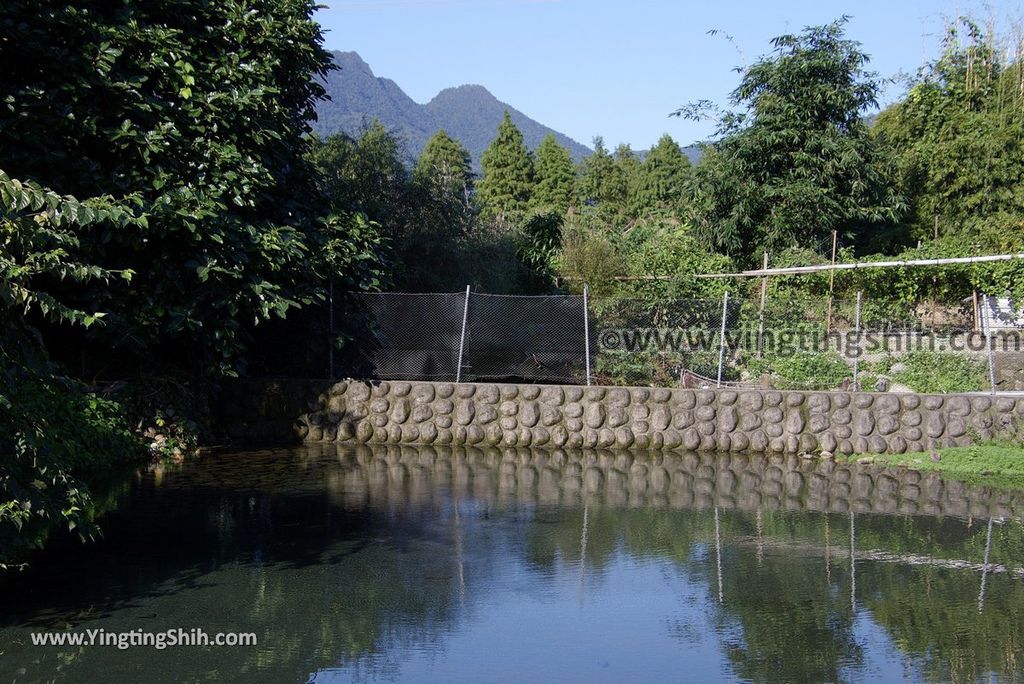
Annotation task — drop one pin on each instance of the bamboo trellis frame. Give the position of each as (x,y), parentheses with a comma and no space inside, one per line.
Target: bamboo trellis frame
(794,270)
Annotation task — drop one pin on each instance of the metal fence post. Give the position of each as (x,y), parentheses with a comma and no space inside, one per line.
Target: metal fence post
(586,329)
(856,355)
(462,338)
(721,341)
(330,329)
(987,320)
(760,312)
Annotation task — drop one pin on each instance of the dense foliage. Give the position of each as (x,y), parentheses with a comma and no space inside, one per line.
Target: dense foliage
(156,207)
(54,436)
(554,176)
(960,136)
(194,114)
(797,162)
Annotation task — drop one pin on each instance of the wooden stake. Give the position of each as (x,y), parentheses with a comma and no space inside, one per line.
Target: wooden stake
(977,320)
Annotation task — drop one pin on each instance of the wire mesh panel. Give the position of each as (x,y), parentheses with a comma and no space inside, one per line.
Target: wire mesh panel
(537,339)
(411,336)
(658,341)
(797,344)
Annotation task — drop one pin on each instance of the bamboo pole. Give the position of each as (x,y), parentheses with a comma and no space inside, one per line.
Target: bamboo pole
(586,329)
(792,270)
(721,338)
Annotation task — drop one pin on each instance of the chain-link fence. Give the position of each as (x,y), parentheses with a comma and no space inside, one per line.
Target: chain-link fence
(533,338)
(411,336)
(754,342)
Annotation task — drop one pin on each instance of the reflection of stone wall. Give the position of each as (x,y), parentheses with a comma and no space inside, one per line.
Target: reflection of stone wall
(553,417)
(382,474)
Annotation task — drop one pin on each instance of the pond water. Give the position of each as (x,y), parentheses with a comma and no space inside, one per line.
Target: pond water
(406,564)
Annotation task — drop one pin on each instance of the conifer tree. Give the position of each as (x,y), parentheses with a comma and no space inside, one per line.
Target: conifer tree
(661,179)
(629,167)
(444,167)
(555,177)
(504,188)
(602,181)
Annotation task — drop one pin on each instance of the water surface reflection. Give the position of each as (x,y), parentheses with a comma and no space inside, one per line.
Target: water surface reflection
(405,564)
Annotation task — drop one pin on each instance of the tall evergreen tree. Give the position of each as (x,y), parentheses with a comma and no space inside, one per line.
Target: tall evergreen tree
(629,166)
(602,181)
(660,183)
(444,166)
(797,162)
(554,175)
(504,188)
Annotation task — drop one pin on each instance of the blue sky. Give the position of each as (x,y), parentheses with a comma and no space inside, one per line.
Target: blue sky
(617,68)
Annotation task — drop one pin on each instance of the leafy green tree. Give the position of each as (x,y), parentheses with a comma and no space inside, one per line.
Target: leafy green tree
(959,133)
(198,111)
(365,174)
(554,175)
(588,257)
(432,250)
(431,238)
(661,180)
(798,161)
(155,208)
(539,244)
(40,239)
(504,188)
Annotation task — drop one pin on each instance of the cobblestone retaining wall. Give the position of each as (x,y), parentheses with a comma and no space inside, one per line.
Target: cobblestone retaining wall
(553,417)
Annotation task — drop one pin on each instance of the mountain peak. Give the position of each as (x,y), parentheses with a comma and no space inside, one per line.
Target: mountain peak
(470,113)
(466,90)
(351,61)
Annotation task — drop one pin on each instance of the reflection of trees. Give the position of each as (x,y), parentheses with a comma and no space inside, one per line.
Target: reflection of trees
(781,620)
(320,584)
(794,625)
(934,615)
(341,557)
(789,617)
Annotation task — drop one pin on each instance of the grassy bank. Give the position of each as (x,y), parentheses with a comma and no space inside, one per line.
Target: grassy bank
(998,465)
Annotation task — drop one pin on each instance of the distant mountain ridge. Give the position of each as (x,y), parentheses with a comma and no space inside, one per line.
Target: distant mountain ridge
(468,113)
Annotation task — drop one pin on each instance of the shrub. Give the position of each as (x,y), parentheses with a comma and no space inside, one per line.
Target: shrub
(589,258)
(53,434)
(803,370)
(941,372)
